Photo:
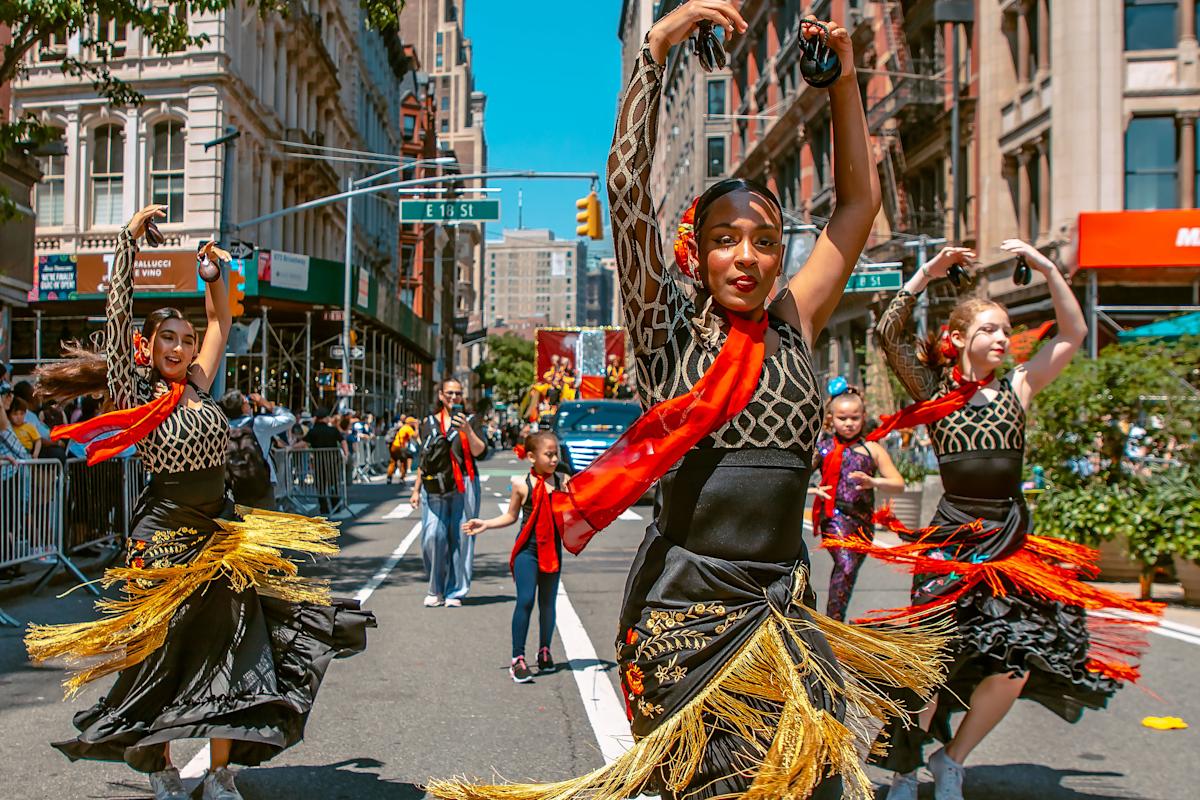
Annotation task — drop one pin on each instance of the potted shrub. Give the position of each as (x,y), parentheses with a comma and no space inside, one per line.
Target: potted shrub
(1094,514)
(906,505)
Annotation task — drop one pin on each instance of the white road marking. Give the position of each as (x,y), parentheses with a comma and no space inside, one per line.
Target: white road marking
(1163,627)
(401,511)
(630,515)
(199,763)
(484,478)
(604,708)
(502,506)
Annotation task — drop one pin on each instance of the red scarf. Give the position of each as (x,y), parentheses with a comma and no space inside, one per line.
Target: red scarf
(541,523)
(933,409)
(468,459)
(132,424)
(660,437)
(831,476)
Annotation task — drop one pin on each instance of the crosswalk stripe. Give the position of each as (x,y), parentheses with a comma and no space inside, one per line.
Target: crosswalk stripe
(401,511)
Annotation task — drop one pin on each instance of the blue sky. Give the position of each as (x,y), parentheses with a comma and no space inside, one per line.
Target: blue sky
(551,71)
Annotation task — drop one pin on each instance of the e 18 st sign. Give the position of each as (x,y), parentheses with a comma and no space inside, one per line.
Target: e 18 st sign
(449,210)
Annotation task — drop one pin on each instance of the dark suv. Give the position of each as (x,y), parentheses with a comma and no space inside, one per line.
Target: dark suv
(586,428)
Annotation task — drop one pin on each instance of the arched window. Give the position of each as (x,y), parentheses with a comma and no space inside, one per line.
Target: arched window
(50,191)
(108,175)
(166,168)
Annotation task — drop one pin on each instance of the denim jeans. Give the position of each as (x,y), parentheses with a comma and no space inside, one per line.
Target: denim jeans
(447,551)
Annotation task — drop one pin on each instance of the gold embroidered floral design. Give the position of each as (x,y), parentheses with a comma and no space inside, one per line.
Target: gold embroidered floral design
(730,619)
(635,679)
(670,672)
(647,709)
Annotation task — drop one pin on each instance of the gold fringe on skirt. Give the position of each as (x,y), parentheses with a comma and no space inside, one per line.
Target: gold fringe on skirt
(246,553)
(809,743)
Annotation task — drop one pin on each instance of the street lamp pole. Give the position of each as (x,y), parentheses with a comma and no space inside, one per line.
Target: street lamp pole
(922,244)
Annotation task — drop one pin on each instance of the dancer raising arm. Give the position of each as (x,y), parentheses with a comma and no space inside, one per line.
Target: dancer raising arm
(1032,637)
(189,577)
(733,683)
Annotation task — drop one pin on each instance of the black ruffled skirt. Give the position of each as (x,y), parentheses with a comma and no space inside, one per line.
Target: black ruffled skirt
(234,663)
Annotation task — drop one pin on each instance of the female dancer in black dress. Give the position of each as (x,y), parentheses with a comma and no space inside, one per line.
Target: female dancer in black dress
(1022,626)
(734,684)
(216,636)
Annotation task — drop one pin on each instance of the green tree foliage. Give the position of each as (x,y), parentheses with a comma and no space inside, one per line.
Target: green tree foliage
(508,368)
(1094,402)
(164,24)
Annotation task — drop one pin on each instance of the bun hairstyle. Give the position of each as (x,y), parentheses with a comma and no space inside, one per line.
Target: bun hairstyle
(531,442)
(938,351)
(84,371)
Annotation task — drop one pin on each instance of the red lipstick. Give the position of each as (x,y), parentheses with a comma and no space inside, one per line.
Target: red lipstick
(745,284)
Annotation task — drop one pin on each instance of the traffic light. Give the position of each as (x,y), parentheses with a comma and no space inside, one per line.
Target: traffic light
(589,217)
(237,293)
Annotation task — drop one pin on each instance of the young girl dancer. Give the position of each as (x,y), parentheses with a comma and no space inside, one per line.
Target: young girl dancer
(733,683)
(537,555)
(1022,626)
(216,636)
(844,507)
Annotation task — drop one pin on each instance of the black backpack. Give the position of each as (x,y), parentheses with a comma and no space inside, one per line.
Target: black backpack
(246,470)
(437,469)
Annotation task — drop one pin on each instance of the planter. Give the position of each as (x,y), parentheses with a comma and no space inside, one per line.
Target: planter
(907,506)
(1188,573)
(1115,563)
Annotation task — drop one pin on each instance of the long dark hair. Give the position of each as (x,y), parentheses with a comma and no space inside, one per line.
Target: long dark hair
(724,187)
(83,371)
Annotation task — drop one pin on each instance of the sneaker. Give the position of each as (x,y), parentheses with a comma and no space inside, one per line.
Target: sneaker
(904,786)
(453,602)
(520,673)
(218,785)
(545,660)
(947,776)
(167,785)
(432,601)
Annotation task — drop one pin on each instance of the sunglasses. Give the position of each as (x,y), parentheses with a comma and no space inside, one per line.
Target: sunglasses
(452,394)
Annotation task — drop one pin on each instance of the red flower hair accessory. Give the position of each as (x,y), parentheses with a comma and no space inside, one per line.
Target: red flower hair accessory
(519,451)
(685,234)
(142,359)
(945,346)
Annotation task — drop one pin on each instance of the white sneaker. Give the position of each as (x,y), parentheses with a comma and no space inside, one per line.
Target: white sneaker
(432,601)
(167,785)
(947,776)
(218,785)
(453,602)
(904,786)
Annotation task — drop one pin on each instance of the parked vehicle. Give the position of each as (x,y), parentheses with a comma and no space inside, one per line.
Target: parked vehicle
(586,428)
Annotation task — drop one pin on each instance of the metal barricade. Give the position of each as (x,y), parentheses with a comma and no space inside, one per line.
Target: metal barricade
(370,458)
(94,507)
(312,477)
(31,519)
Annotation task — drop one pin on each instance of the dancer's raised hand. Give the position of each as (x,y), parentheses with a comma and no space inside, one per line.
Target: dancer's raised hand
(676,27)
(147,214)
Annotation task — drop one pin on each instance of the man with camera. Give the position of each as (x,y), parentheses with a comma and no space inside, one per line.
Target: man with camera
(447,492)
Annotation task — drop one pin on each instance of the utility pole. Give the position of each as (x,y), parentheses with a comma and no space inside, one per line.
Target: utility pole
(227,140)
(922,244)
(346,284)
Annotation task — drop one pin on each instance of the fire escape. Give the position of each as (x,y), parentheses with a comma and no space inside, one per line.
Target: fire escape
(917,94)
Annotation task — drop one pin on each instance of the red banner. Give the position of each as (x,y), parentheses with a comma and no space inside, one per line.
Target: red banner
(565,343)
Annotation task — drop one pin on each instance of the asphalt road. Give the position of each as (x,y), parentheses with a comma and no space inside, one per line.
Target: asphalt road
(431,695)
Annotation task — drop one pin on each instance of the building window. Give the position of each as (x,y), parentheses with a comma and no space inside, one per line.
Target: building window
(1150,25)
(410,126)
(53,46)
(108,175)
(50,191)
(716,156)
(445,103)
(445,126)
(110,35)
(819,145)
(1151,164)
(438,51)
(716,97)
(166,168)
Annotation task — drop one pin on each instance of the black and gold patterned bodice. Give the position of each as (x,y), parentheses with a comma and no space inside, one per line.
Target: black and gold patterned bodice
(980,447)
(190,439)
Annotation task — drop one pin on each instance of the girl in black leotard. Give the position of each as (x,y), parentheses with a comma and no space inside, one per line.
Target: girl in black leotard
(734,684)
(1022,626)
(537,555)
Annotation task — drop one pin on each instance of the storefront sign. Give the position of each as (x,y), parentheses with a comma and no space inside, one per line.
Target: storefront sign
(289,270)
(1123,239)
(68,277)
(364,288)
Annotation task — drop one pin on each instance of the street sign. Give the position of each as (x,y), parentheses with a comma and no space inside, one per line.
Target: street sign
(876,281)
(449,210)
(241,250)
(356,352)
(346,389)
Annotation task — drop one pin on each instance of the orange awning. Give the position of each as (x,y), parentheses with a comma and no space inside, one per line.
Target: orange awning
(1021,344)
